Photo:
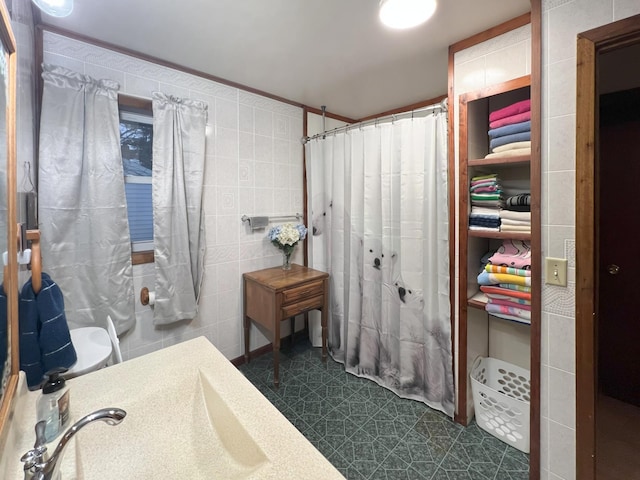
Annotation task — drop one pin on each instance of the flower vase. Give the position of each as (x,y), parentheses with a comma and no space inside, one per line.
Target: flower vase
(286,260)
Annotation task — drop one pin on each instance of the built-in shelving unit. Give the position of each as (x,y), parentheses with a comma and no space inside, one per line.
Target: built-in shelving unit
(483,162)
(476,328)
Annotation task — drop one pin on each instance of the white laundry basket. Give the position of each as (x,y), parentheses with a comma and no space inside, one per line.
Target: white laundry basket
(501,400)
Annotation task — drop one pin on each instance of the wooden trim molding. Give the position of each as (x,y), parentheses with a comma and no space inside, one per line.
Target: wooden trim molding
(589,45)
(253,354)
(536,240)
(164,63)
(139,258)
(407,108)
(585,256)
(614,35)
(492,32)
(462,331)
(133,53)
(305,192)
(328,114)
(10,282)
(40,28)
(451,177)
(135,103)
(39,86)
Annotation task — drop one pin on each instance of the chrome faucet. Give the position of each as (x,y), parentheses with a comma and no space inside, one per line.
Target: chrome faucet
(36,464)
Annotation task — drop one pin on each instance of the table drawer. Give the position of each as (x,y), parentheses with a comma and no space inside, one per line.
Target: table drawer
(303,306)
(307,290)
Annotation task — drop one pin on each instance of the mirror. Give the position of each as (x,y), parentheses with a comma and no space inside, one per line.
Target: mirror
(9,363)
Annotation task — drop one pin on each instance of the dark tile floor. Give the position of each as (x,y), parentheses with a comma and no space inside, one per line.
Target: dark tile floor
(367,432)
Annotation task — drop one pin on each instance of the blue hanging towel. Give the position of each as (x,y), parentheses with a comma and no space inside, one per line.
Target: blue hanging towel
(45,342)
(4,331)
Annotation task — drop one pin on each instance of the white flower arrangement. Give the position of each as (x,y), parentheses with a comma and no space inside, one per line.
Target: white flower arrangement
(286,236)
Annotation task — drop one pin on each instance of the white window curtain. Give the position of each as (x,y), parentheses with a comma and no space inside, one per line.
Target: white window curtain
(179,134)
(85,241)
(379,215)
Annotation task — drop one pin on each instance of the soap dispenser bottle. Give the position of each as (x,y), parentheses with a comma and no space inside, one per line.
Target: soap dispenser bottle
(53,404)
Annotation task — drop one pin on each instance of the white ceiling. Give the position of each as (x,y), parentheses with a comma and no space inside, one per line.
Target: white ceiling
(315,52)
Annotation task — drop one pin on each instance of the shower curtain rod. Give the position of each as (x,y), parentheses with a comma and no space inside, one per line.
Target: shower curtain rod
(374,121)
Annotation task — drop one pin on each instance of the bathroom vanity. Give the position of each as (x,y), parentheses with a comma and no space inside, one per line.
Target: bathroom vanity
(190,414)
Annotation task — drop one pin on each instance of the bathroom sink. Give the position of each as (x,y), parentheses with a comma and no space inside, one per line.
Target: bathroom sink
(190,414)
(199,434)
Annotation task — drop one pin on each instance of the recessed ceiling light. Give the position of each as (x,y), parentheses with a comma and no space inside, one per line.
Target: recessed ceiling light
(406,13)
(55,8)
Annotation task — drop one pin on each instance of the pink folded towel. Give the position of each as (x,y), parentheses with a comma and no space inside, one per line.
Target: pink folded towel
(513,253)
(513,109)
(511,311)
(517,118)
(508,303)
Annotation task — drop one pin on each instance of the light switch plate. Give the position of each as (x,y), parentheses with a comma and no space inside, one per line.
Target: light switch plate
(555,271)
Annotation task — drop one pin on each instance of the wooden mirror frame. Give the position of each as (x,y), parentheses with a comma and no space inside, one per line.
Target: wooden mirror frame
(11,275)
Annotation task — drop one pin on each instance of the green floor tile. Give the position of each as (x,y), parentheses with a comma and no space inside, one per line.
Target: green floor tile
(370,433)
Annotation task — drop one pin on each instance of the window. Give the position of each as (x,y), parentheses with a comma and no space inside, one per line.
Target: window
(136,141)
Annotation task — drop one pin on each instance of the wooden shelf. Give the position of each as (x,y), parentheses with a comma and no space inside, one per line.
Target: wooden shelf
(519,322)
(497,89)
(487,162)
(478,300)
(504,235)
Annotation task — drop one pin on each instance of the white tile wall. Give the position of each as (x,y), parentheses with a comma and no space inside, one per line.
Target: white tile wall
(562,21)
(254,160)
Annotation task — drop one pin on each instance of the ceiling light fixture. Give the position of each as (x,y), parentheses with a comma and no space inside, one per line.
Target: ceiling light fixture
(55,8)
(406,13)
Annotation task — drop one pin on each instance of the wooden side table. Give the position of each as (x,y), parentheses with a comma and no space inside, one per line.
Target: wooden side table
(272,295)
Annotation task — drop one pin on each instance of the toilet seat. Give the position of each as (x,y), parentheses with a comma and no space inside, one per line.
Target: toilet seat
(93,349)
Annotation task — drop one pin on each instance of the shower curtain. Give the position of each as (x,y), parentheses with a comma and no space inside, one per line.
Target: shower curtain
(85,240)
(179,134)
(379,218)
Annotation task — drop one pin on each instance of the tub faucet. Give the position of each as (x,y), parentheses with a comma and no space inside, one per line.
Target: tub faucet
(36,464)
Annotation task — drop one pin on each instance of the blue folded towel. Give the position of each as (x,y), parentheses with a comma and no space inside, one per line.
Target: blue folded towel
(45,342)
(516,137)
(510,129)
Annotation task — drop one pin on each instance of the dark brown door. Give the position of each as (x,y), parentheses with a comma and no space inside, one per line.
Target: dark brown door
(619,248)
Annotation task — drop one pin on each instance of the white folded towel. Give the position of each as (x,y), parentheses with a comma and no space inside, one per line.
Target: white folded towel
(520,216)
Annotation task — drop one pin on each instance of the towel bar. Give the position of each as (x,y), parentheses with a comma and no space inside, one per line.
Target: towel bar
(297,216)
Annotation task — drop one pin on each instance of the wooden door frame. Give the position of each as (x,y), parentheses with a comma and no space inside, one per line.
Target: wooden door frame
(608,37)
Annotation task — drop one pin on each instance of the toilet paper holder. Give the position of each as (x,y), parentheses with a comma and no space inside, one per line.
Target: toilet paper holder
(147,297)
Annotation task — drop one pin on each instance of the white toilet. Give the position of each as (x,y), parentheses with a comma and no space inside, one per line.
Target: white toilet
(94,347)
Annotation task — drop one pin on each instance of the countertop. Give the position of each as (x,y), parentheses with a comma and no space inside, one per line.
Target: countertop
(187,408)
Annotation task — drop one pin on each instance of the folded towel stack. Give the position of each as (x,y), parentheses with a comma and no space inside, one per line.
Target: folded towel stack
(510,133)
(506,281)
(486,200)
(516,213)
